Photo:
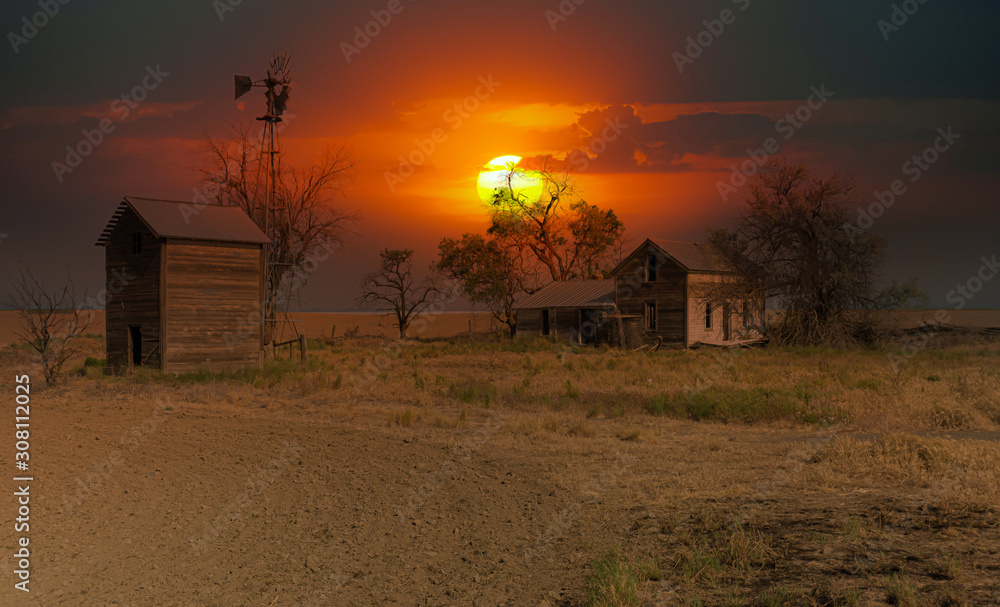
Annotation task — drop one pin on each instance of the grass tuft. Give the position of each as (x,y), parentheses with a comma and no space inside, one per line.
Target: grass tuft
(901,592)
(775,597)
(402,418)
(474,392)
(614,582)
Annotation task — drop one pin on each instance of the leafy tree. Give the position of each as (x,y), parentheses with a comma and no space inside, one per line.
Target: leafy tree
(794,245)
(393,289)
(564,236)
(487,272)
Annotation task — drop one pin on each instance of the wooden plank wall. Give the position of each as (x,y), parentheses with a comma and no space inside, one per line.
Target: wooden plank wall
(668,291)
(529,323)
(212,317)
(133,292)
(566,323)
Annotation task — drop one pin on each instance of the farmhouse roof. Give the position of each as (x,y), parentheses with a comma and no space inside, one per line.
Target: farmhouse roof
(573,294)
(690,256)
(171,219)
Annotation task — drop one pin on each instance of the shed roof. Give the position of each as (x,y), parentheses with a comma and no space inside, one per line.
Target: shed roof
(172,219)
(692,257)
(573,294)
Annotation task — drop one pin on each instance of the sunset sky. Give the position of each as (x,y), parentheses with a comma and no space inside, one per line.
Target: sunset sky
(873,86)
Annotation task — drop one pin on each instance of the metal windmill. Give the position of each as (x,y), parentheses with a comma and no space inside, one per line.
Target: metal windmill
(271,213)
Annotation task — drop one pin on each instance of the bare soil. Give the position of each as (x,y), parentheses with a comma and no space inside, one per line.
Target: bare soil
(150,496)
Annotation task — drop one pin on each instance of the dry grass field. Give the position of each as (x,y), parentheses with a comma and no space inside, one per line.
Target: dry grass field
(452,472)
(318,324)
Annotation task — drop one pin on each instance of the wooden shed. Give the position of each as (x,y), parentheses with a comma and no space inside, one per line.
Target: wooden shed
(184,286)
(567,309)
(667,286)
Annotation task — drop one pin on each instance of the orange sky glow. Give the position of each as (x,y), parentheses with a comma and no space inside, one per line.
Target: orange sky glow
(430,99)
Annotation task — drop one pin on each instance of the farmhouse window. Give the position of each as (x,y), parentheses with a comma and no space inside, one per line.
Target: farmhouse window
(650,315)
(545,322)
(136,243)
(651,268)
(708,315)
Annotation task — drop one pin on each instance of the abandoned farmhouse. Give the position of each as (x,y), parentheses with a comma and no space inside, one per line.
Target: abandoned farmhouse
(662,291)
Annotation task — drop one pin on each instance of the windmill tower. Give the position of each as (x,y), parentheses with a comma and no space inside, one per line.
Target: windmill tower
(271,212)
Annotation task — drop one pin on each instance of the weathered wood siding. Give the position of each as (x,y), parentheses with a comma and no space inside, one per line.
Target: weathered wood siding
(564,323)
(529,323)
(632,291)
(132,283)
(212,297)
(698,286)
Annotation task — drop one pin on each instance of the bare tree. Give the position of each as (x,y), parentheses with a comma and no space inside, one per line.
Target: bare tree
(563,235)
(308,221)
(393,289)
(49,321)
(795,246)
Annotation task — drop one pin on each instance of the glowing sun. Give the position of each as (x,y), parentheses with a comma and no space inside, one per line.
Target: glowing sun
(526,184)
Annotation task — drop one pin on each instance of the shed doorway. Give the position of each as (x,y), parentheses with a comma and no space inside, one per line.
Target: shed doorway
(135,344)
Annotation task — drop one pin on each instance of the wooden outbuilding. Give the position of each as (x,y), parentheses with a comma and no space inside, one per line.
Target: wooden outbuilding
(567,309)
(185,284)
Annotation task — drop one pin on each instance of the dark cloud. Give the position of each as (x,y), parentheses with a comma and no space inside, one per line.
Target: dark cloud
(614,139)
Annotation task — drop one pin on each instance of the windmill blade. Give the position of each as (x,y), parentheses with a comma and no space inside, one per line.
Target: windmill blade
(281,67)
(281,100)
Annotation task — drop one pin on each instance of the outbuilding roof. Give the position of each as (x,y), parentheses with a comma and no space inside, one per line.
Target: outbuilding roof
(573,294)
(690,256)
(172,219)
